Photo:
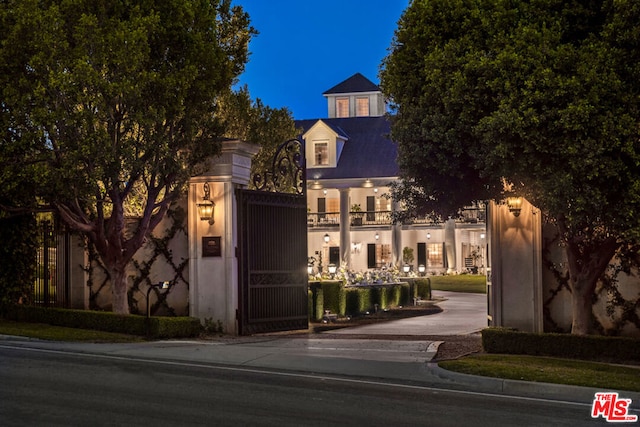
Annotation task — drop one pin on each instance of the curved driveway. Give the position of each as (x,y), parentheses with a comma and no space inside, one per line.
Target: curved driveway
(462,314)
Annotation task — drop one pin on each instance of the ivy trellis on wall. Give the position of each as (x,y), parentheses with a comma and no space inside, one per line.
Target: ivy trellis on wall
(159,249)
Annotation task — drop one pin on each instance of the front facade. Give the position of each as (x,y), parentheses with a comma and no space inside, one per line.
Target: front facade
(350,164)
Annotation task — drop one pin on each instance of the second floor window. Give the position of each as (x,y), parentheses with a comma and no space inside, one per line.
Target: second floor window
(321,153)
(342,107)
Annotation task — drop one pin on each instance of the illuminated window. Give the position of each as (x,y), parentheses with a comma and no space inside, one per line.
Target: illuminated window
(321,153)
(434,251)
(378,255)
(362,107)
(342,107)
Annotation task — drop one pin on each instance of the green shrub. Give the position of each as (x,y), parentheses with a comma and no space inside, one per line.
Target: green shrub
(590,347)
(423,288)
(316,301)
(380,296)
(155,327)
(358,300)
(334,297)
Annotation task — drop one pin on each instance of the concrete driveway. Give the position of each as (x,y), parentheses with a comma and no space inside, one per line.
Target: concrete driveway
(462,314)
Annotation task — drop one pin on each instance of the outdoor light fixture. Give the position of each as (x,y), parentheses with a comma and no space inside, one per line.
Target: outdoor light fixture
(515,205)
(310,269)
(406,268)
(428,236)
(377,236)
(207,207)
(482,235)
(332,269)
(421,269)
(161,285)
(327,238)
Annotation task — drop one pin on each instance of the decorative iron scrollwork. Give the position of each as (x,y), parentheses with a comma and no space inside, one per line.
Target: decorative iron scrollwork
(287,174)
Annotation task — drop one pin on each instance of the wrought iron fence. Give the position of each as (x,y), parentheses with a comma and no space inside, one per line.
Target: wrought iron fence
(51,286)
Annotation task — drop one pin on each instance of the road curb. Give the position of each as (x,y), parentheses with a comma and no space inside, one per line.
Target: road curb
(526,388)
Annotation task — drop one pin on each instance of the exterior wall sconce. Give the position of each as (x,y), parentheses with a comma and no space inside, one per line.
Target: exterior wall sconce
(482,235)
(377,236)
(428,236)
(326,238)
(515,205)
(207,207)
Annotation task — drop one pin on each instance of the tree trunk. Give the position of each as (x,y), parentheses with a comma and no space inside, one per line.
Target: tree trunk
(119,290)
(587,264)
(581,307)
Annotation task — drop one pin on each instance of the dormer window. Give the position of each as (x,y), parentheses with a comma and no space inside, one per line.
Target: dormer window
(362,107)
(342,107)
(321,153)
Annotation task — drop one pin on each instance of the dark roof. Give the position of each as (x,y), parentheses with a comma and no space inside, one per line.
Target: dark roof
(355,83)
(368,152)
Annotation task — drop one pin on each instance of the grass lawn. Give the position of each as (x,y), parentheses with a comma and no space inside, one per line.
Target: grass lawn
(473,283)
(59,333)
(548,370)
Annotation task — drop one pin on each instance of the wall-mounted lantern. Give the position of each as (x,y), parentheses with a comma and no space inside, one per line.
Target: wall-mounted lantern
(377,236)
(428,236)
(327,238)
(515,205)
(206,209)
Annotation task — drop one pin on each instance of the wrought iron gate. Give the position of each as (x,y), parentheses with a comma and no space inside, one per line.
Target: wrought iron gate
(272,247)
(51,287)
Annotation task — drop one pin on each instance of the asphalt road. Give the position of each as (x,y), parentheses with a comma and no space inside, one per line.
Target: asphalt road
(39,387)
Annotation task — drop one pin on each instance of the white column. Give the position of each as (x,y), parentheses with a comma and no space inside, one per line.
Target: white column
(450,245)
(396,239)
(213,280)
(345,228)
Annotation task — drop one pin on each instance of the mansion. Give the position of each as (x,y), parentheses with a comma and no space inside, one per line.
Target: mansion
(350,164)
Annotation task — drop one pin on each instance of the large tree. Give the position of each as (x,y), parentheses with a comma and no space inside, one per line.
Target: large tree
(252,120)
(539,99)
(113,95)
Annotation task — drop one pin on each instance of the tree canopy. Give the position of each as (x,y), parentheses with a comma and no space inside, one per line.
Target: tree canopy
(539,99)
(100,98)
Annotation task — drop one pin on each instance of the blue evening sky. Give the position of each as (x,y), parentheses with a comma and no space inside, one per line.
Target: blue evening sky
(308,46)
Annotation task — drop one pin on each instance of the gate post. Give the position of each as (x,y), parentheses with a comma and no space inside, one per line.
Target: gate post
(213,265)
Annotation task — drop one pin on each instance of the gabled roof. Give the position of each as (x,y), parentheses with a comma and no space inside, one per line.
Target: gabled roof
(339,132)
(354,84)
(368,152)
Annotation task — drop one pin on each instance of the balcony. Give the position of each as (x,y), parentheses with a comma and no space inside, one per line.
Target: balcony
(358,219)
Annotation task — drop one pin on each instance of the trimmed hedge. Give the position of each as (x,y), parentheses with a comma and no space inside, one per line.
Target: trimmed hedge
(341,300)
(154,327)
(589,347)
(423,288)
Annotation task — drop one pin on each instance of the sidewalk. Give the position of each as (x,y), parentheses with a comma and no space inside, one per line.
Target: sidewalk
(378,359)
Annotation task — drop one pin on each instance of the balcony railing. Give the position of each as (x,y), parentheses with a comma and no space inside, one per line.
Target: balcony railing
(358,219)
(364,218)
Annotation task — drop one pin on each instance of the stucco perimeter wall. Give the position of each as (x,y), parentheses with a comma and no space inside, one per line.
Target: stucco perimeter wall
(163,257)
(514,278)
(617,308)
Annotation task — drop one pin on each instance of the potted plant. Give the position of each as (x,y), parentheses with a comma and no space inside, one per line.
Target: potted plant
(356,214)
(407,257)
